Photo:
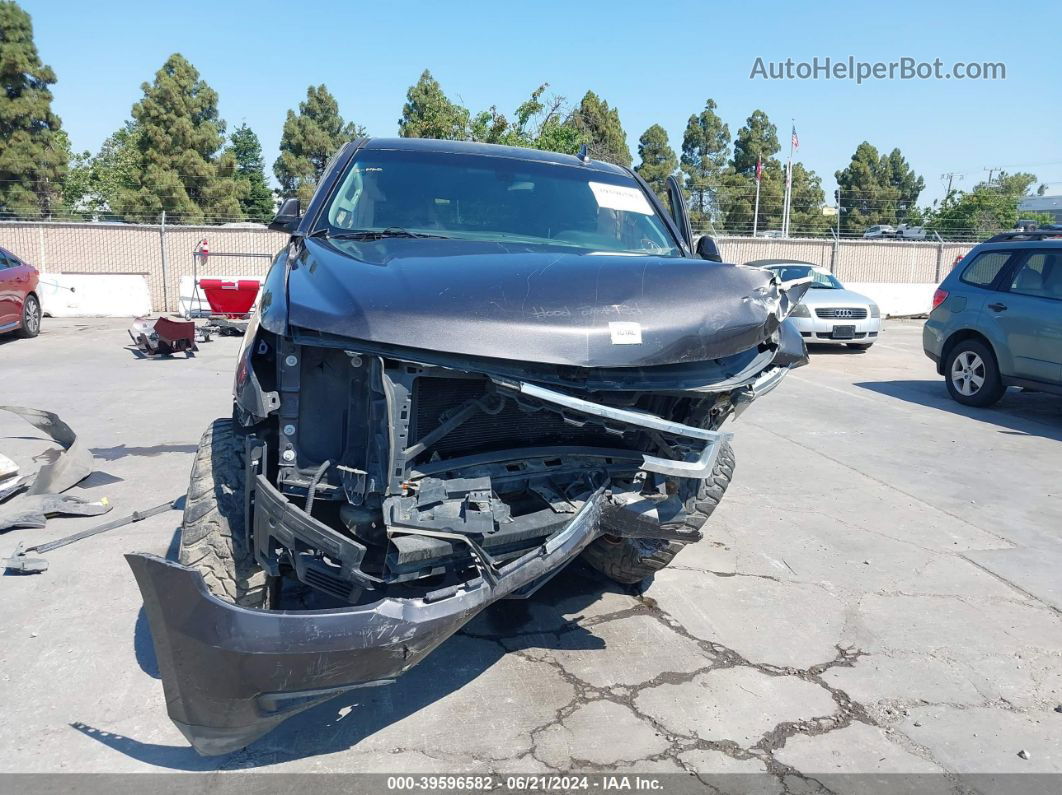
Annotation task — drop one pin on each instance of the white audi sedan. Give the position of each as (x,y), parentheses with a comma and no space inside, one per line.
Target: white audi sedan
(828,313)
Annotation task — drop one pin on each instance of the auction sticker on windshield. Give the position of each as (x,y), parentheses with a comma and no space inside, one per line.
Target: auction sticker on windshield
(620,197)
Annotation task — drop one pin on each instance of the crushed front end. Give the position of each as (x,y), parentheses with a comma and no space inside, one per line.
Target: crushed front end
(412,489)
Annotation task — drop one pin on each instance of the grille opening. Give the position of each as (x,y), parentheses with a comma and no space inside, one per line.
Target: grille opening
(522,503)
(511,427)
(842,312)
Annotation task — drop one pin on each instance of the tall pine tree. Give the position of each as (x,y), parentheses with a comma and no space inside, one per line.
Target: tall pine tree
(257,202)
(600,127)
(658,160)
(309,140)
(758,139)
(428,113)
(876,189)
(180,136)
(33,156)
(705,147)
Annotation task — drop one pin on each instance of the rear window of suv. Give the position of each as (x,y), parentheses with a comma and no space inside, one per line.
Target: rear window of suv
(983,271)
(1040,276)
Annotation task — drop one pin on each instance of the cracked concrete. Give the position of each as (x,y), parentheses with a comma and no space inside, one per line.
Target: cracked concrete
(876,595)
(738,704)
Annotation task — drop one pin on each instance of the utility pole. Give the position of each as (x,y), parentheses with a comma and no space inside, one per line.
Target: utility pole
(991,171)
(949,177)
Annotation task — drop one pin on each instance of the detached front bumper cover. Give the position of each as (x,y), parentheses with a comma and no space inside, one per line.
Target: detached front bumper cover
(231,674)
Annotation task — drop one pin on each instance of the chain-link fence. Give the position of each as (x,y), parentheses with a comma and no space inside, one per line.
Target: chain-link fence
(163,254)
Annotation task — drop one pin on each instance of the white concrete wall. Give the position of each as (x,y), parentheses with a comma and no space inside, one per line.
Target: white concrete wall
(94,295)
(897,300)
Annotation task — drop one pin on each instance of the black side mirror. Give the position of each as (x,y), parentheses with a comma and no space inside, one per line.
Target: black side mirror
(288,216)
(707,249)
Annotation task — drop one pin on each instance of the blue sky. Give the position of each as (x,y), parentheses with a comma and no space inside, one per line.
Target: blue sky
(657,61)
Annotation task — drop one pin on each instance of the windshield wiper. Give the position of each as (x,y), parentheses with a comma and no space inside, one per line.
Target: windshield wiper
(374,234)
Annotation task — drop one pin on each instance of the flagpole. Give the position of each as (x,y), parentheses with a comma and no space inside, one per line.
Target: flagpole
(756,212)
(788,186)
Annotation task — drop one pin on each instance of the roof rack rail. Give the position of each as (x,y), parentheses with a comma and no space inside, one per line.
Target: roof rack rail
(1036,234)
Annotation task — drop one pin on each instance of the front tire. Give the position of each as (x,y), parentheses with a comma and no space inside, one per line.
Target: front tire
(631,560)
(213,537)
(31,317)
(972,375)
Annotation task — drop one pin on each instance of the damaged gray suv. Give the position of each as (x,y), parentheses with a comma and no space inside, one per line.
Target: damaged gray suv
(470,365)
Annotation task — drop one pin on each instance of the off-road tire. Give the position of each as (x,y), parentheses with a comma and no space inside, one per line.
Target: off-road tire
(212,530)
(631,560)
(31,317)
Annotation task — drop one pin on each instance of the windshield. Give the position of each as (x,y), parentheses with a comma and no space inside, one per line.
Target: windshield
(788,273)
(478,197)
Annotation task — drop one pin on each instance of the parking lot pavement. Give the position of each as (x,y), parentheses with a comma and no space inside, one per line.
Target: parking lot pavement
(879,592)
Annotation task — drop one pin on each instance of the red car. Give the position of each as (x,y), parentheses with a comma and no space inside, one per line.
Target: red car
(20,306)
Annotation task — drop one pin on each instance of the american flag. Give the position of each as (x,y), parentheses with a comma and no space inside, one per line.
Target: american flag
(796,141)
(759,169)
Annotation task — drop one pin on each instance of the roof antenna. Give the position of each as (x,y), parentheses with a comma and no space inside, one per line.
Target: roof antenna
(584,153)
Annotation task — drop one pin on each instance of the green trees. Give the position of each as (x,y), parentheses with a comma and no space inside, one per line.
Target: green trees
(756,141)
(989,207)
(876,189)
(309,139)
(428,113)
(256,203)
(705,144)
(600,127)
(177,166)
(33,154)
(808,199)
(540,122)
(658,160)
(94,185)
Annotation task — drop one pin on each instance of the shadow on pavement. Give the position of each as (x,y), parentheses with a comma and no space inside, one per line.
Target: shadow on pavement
(345,721)
(818,349)
(1020,412)
(121,451)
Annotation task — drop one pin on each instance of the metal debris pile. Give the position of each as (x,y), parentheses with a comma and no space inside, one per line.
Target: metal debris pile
(163,336)
(26,501)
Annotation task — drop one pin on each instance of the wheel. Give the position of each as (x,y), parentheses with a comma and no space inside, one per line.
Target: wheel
(212,530)
(31,317)
(859,346)
(972,374)
(631,560)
